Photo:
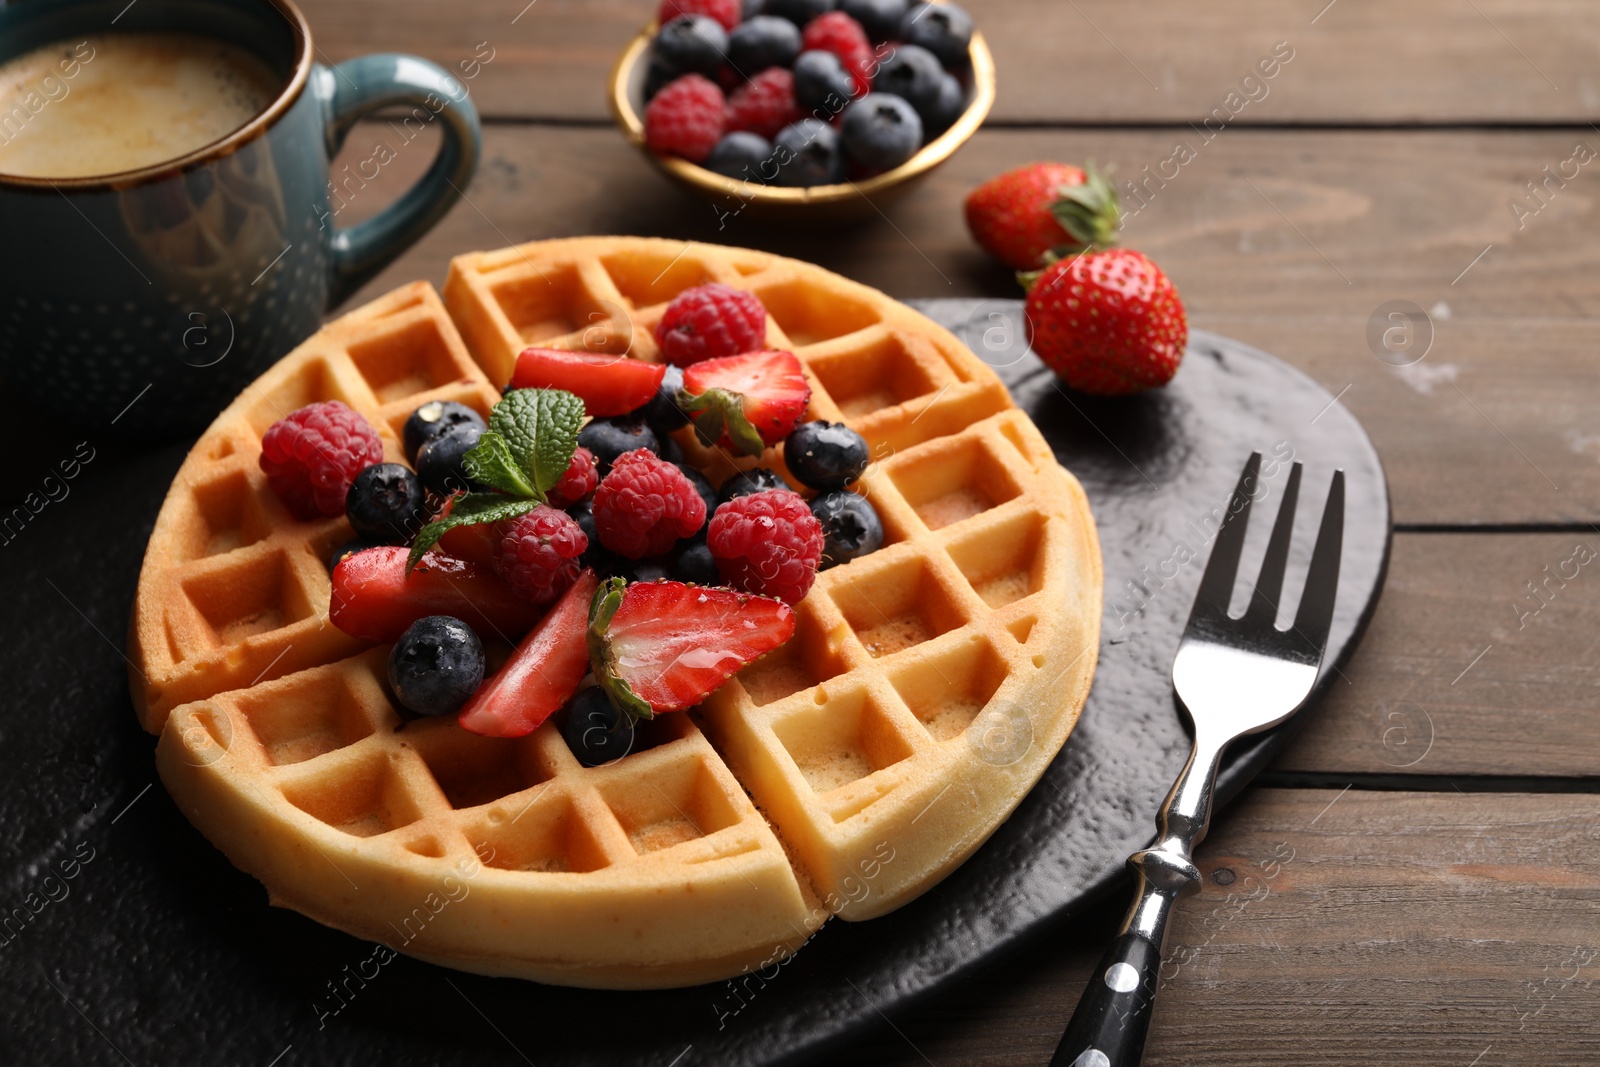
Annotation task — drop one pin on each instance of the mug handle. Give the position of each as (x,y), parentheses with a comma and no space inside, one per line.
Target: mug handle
(357,88)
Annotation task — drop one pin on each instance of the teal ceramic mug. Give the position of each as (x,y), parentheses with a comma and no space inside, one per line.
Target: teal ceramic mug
(141,302)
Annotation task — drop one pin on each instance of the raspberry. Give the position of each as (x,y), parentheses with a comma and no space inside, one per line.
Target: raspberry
(768,543)
(727,12)
(537,553)
(765,104)
(685,118)
(311,456)
(842,35)
(709,321)
(645,504)
(578,482)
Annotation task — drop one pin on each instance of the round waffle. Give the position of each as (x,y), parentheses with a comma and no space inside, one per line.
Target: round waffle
(927,686)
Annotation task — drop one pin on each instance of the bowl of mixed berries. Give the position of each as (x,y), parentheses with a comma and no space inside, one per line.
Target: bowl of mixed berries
(785,105)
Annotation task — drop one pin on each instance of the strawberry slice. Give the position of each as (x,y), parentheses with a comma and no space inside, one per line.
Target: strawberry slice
(666,646)
(541,675)
(473,543)
(746,402)
(374,599)
(607,385)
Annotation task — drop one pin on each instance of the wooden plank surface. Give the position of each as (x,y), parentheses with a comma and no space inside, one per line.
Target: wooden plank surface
(1358,929)
(1092,61)
(1288,241)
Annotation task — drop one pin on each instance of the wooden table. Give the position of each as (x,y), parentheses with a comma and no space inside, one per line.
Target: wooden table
(1436,893)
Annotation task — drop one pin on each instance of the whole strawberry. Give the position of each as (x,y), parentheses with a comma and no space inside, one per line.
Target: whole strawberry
(1021,215)
(1107,322)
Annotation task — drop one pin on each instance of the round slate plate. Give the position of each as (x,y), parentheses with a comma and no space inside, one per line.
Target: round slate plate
(127,937)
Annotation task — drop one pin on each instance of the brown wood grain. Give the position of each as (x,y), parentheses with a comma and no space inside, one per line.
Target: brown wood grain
(1288,241)
(1423,928)
(1091,61)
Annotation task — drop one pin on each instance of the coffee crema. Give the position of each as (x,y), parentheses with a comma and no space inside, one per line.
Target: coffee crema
(110,103)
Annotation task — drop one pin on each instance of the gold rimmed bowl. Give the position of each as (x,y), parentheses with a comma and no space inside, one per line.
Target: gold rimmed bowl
(841,199)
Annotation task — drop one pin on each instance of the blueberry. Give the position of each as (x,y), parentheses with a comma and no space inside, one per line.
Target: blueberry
(436,665)
(943,29)
(850,526)
(762,42)
(386,504)
(703,487)
(662,413)
(670,450)
(740,155)
(743,483)
(349,548)
(752,8)
(645,570)
(821,84)
(946,108)
(596,731)
(825,455)
(798,12)
(610,438)
(439,460)
(881,131)
(596,556)
(808,154)
(696,564)
(692,44)
(656,78)
(911,73)
(434,418)
(880,18)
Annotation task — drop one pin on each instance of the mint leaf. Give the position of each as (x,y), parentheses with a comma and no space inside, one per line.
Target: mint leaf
(607,599)
(468,510)
(492,464)
(540,430)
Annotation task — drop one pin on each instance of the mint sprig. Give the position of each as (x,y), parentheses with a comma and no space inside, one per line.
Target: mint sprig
(529,445)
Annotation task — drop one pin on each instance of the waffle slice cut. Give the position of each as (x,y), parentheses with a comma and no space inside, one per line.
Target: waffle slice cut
(927,687)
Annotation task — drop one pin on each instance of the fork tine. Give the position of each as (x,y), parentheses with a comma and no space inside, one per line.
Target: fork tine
(1216,585)
(1269,585)
(1322,580)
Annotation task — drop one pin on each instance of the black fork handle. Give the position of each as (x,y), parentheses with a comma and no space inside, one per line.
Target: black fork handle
(1113,1016)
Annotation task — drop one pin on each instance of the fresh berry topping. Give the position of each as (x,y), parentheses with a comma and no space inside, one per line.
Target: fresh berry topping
(373,597)
(541,674)
(850,526)
(583,474)
(597,731)
(821,84)
(911,73)
(881,131)
(685,118)
(752,8)
(940,115)
(707,492)
(1021,215)
(440,460)
(666,646)
(386,504)
(645,505)
(825,455)
(798,12)
(657,76)
(435,417)
(436,665)
(743,483)
(762,42)
(746,402)
(645,570)
(695,563)
(743,156)
(473,542)
(838,33)
(607,384)
(537,553)
(349,548)
(709,321)
(1107,322)
(672,452)
(809,154)
(606,439)
(311,456)
(879,18)
(767,543)
(943,29)
(692,44)
(662,414)
(726,12)
(765,104)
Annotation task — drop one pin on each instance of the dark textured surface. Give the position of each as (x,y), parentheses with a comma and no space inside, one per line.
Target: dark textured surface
(157,951)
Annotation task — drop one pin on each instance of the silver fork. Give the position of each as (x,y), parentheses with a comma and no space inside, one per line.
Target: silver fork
(1234,676)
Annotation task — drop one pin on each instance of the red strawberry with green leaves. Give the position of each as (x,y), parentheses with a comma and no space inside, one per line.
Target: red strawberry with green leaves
(745,402)
(1107,322)
(665,646)
(1024,214)
(607,384)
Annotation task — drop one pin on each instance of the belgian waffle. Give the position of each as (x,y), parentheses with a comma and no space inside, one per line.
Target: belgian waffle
(927,687)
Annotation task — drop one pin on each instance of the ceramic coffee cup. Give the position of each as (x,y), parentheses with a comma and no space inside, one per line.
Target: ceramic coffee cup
(142,301)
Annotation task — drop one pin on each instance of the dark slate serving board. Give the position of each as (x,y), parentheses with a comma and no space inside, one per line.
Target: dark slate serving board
(132,939)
